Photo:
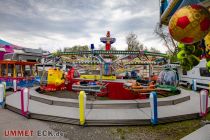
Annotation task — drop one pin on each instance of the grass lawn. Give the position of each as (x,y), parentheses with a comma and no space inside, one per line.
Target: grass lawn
(169,131)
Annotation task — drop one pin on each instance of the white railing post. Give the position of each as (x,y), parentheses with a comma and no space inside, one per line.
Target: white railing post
(2,98)
(5,87)
(15,85)
(203,102)
(24,101)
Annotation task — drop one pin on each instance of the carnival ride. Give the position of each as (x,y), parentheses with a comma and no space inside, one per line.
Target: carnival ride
(103,68)
(22,72)
(51,76)
(114,89)
(17,65)
(167,82)
(54,80)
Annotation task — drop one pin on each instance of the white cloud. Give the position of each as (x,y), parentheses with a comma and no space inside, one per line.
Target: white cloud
(57,24)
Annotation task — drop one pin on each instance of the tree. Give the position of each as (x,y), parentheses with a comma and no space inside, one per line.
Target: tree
(152,49)
(101,47)
(133,43)
(146,49)
(169,42)
(164,35)
(77,48)
(113,48)
(173,57)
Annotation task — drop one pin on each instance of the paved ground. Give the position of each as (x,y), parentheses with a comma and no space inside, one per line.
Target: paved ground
(201,134)
(12,121)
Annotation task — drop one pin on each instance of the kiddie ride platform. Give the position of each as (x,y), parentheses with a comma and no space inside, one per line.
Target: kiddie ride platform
(121,89)
(113,89)
(109,112)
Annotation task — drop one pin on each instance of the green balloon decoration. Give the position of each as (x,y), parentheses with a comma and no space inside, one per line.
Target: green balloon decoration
(189,49)
(182,54)
(207,59)
(189,56)
(208,65)
(198,52)
(180,46)
(194,60)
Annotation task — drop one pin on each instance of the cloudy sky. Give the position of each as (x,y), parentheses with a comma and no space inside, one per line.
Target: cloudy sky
(54,24)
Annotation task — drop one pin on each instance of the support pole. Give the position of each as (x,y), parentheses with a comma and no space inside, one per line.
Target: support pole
(24,101)
(153,104)
(2,99)
(15,85)
(150,71)
(5,86)
(82,107)
(194,85)
(203,103)
(101,73)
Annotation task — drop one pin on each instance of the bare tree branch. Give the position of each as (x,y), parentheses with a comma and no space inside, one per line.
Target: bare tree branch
(133,43)
(166,37)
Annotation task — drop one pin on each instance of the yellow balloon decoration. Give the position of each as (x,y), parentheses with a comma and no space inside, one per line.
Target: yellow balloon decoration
(190,24)
(207,43)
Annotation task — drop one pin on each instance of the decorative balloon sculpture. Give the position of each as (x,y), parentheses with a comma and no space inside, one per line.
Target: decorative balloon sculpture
(189,55)
(190,24)
(207,44)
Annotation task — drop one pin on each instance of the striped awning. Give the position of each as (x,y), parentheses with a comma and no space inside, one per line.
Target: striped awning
(168,8)
(141,63)
(84,62)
